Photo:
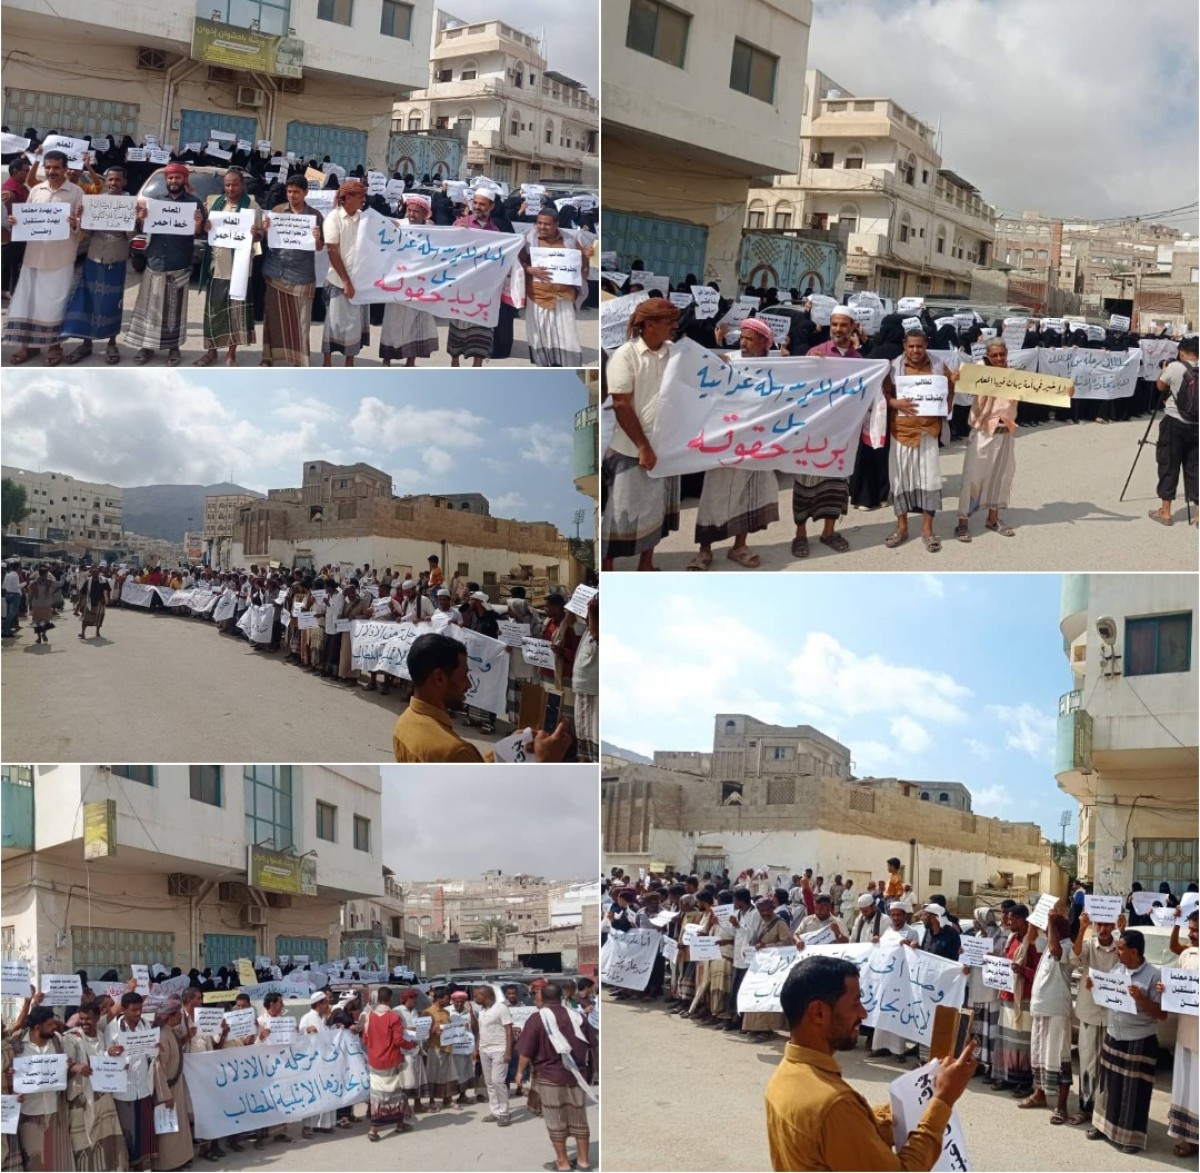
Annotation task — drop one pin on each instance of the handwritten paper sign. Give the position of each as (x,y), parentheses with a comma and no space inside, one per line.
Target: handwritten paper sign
(998,974)
(242,1022)
(136,154)
(289,230)
(680,301)
(307,621)
(512,633)
(39,1073)
(975,950)
(565,265)
(208,1020)
(218,152)
(14,979)
(448,272)
(581,596)
(708,301)
(165,1119)
(283,1029)
(537,653)
(614,319)
(822,936)
(108,213)
(1014,332)
(62,989)
(73,148)
(170,218)
(737,313)
(627,959)
(670,948)
(41,222)
(1111,990)
(1181,994)
(139,1044)
(421,1026)
(1155,351)
(110,1073)
(927,392)
(1098,374)
(10,1106)
(231,229)
(1118,322)
(910,1094)
(820,308)
(1040,916)
(705,949)
(160,157)
(911,324)
(780,325)
(1009,383)
(1103,909)
(798,415)
(517,747)
(1143,902)
(12,144)
(724,913)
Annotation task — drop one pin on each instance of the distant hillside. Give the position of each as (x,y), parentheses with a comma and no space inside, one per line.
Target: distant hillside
(606,747)
(162,511)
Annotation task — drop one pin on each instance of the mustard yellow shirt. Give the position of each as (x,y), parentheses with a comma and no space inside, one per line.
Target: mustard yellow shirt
(423,733)
(816,1120)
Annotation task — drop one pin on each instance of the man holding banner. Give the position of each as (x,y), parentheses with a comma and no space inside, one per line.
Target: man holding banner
(225,273)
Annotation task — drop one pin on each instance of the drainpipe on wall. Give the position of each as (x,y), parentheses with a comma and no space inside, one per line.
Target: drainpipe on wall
(912,867)
(268,83)
(170,84)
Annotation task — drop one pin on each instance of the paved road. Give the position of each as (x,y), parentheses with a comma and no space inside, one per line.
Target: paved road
(162,688)
(1065,511)
(688,1098)
(451,1140)
(192,349)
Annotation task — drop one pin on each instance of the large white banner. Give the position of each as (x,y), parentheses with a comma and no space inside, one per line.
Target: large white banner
(377,646)
(247,1088)
(627,959)
(796,415)
(1154,351)
(139,594)
(1098,374)
(257,623)
(449,272)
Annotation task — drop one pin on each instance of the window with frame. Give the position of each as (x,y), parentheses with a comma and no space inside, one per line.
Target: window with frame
(752,71)
(965,888)
(336,11)
(824,160)
(414,122)
(1156,644)
(395,20)
(658,30)
(97,950)
(268,805)
(783,219)
(17,775)
(905,231)
(142,774)
(756,218)
(935,877)
(273,16)
(362,833)
(326,821)
(204,783)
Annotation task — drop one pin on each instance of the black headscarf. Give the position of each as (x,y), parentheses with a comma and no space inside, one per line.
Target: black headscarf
(889,342)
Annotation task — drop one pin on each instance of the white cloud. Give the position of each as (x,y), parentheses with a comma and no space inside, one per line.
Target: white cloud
(407,480)
(437,460)
(872,758)
(1026,728)
(934,584)
(980,749)
(307,409)
(990,800)
(911,736)
(507,505)
(389,425)
(550,446)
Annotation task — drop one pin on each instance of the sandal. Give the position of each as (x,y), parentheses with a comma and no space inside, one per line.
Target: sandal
(800,547)
(1079,1118)
(894,539)
(932,542)
(143,357)
(961,532)
(54,356)
(700,562)
(1154,515)
(1058,1116)
(82,351)
(174,358)
(21,357)
(372,1135)
(112,354)
(1185,1149)
(207,359)
(745,557)
(1002,528)
(836,542)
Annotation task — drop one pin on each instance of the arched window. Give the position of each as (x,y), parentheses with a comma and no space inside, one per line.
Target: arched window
(905,228)
(848,216)
(1028,254)
(549,132)
(465,118)
(908,169)
(756,215)
(782,217)
(730,726)
(941,240)
(924,795)
(943,797)
(470,70)
(854,157)
(414,121)
(1043,254)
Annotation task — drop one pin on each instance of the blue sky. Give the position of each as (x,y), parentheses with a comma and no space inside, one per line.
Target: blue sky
(506,434)
(926,677)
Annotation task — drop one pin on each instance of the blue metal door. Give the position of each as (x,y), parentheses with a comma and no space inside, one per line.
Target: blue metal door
(436,155)
(225,948)
(314,948)
(786,262)
(372,948)
(668,248)
(195,125)
(344,146)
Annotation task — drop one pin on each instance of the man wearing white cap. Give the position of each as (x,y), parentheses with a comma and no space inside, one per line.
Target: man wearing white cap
(312,1023)
(446,607)
(409,333)
(415,610)
(865,928)
(884,1042)
(470,339)
(941,937)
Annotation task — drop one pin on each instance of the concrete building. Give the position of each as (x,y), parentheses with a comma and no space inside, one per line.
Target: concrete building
(785,799)
(524,123)
(314,78)
(374,928)
(700,101)
(220,514)
(461,908)
(65,509)
(187,865)
(144,550)
(346,514)
(873,171)
(1127,730)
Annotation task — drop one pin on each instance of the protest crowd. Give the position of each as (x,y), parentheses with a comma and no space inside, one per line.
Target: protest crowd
(158,1070)
(284,242)
(1070,372)
(747,955)
(445,649)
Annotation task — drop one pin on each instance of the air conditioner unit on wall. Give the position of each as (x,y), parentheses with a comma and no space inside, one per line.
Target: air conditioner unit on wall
(253,914)
(183,884)
(251,98)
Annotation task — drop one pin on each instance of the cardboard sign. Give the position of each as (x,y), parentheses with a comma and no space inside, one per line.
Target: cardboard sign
(1015,384)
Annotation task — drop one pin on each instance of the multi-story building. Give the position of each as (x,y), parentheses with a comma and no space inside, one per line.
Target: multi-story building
(1127,730)
(197,865)
(149,551)
(785,798)
(374,928)
(700,101)
(221,512)
(314,78)
(524,123)
(462,908)
(873,171)
(62,508)
(346,514)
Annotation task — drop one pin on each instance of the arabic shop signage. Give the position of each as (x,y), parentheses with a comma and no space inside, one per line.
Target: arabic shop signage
(273,871)
(99,829)
(217,43)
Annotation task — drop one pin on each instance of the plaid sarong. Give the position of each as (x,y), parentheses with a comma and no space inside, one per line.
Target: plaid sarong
(226,322)
(286,322)
(735,502)
(639,510)
(1122,1110)
(95,309)
(159,319)
(347,326)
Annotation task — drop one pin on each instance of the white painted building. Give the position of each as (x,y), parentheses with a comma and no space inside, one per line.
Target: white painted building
(65,509)
(525,123)
(700,100)
(1127,731)
(872,170)
(567,904)
(108,865)
(316,77)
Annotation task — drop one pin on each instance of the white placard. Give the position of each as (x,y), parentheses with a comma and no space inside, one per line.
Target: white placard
(10,1106)
(708,301)
(242,1023)
(41,222)
(289,230)
(170,217)
(1014,332)
(1103,909)
(141,974)
(161,157)
(513,633)
(341,626)
(910,1094)
(998,974)
(908,305)
(39,1073)
(1188,903)
(680,300)
(565,265)
(614,319)
(1181,995)
(110,1073)
(421,1025)
(306,621)
(218,152)
(822,936)
(283,1029)
(1040,916)
(670,948)
(165,1119)
(231,229)
(109,213)
(1118,322)
(244,144)
(911,324)
(704,949)
(927,392)
(264,144)
(208,1020)
(820,307)
(975,950)
(580,598)
(136,154)
(73,148)
(13,144)
(14,979)
(517,747)
(780,325)
(627,959)
(537,653)
(62,989)
(1143,902)
(1111,990)
(225,136)
(723,913)
(1164,918)
(139,1043)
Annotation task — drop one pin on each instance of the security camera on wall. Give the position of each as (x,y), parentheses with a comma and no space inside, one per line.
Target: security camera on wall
(1106,629)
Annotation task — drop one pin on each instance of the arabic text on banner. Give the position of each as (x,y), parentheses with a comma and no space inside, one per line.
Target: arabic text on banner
(627,959)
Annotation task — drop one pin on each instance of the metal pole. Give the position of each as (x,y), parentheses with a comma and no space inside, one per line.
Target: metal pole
(1144,440)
